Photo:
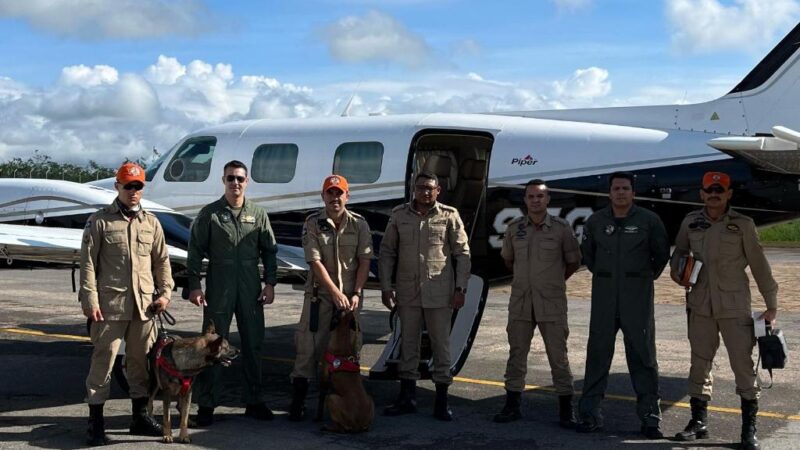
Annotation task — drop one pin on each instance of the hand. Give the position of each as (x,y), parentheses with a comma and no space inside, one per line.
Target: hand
(769,315)
(267,295)
(94,315)
(197,297)
(354,300)
(159,305)
(341,301)
(387,297)
(458,300)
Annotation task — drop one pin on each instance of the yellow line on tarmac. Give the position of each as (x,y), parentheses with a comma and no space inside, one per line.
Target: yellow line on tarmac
(500,384)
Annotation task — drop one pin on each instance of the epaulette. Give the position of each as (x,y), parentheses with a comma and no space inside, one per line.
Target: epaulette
(312,215)
(356,215)
(515,221)
(399,207)
(696,212)
(560,220)
(447,208)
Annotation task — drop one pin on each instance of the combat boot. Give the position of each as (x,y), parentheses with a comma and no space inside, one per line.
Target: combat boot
(96,433)
(297,410)
(510,411)
(142,423)
(440,409)
(698,426)
(406,402)
(566,414)
(749,411)
(205,416)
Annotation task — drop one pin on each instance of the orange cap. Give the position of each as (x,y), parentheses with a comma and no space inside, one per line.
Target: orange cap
(130,172)
(720,178)
(336,181)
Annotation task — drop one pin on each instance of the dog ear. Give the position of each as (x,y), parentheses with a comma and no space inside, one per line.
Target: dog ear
(211,329)
(215,345)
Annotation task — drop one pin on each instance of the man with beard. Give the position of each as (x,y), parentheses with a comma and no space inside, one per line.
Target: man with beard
(719,302)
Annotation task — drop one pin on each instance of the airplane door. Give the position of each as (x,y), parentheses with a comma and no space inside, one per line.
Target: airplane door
(460,161)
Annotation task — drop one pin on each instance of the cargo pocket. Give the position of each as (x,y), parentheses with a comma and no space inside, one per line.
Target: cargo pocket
(145,243)
(116,243)
(548,250)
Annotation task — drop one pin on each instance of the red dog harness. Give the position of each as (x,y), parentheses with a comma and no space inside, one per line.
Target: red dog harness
(342,363)
(161,361)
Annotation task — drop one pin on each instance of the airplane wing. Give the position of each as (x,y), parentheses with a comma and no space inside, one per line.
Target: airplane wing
(63,246)
(777,153)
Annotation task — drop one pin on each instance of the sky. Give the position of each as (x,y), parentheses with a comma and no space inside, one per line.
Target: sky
(105,80)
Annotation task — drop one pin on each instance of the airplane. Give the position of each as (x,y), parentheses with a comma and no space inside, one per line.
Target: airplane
(484,160)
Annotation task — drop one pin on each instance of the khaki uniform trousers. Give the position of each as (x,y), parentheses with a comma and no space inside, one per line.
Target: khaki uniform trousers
(739,339)
(106,337)
(554,334)
(309,345)
(438,322)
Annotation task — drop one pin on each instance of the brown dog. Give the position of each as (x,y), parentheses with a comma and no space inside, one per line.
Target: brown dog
(350,407)
(174,364)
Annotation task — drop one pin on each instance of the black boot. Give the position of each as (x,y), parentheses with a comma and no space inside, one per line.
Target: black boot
(698,426)
(440,409)
(205,416)
(566,415)
(406,402)
(142,423)
(297,410)
(96,433)
(510,411)
(749,411)
(258,411)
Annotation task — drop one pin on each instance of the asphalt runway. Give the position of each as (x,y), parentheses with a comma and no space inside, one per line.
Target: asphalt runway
(44,357)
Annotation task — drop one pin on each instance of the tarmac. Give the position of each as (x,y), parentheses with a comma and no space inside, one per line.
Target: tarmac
(44,359)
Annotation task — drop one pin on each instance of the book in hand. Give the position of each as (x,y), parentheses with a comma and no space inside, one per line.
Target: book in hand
(689,269)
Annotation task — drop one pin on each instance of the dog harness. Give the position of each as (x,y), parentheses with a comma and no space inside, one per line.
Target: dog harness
(342,363)
(161,361)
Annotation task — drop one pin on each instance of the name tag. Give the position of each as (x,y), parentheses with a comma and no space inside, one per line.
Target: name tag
(248,219)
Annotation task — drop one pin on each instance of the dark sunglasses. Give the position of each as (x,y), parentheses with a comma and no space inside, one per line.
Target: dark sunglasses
(422,188)
(232,178)
(133,186)
(714,190)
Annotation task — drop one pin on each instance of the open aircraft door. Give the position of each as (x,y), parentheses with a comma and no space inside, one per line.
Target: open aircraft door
(461,162)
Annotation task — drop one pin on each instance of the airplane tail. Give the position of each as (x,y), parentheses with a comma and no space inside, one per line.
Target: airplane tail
(768,96)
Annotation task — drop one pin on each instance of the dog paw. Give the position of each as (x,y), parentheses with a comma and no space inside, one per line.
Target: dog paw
(185,439)
(167,440)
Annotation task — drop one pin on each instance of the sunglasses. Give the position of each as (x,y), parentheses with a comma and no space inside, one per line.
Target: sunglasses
(714,190)
(133,186)
(425,189)
(238,178)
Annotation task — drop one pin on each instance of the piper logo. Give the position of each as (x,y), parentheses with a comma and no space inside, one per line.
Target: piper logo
(526,161)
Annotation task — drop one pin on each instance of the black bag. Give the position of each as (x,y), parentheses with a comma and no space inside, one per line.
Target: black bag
(772,351)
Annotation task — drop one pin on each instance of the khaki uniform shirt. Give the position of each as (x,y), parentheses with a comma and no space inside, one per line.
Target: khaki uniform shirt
(122,262)
(337,249)
(540,256)
(424,250)
(726,247)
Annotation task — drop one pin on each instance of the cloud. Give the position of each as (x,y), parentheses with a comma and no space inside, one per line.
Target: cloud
(701,26)
(572,5)
(376,37)
(584,84)
(115,19)
(89,76)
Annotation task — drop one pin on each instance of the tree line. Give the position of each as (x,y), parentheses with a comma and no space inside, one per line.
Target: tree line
(40,165)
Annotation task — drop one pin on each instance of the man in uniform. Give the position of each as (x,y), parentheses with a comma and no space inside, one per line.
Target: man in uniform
(234,234)
(423,241)
(719,303)
(124,265)
(338,248)
(626,248)
(542,252)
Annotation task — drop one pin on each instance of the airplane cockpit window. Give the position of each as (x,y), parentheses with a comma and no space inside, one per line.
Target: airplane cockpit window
(274,163)
(192,161)
(359,162)
(152,168)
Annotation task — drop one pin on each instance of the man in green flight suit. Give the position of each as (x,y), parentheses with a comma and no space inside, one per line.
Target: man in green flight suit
(233,233)
(625,247)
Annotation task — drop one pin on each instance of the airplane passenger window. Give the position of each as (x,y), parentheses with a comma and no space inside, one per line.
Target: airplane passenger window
(192,161)
(359,162)
(274,163)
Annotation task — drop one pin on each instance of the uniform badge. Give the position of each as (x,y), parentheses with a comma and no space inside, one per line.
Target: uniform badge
(248,219)
(699,223)
(225,218)
(610,230)
(630,229)
(732,227)
(323,225)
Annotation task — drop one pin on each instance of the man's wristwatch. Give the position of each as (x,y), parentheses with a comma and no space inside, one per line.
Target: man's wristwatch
(461,290)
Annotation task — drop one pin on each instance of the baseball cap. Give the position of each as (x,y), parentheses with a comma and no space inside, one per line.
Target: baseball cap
(130,172)
(336,181)
(720,178)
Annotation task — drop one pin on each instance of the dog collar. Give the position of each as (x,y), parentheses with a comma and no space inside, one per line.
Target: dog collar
(342,363)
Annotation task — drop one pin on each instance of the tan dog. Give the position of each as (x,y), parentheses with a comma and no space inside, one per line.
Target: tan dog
(175,362)
(350,407)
